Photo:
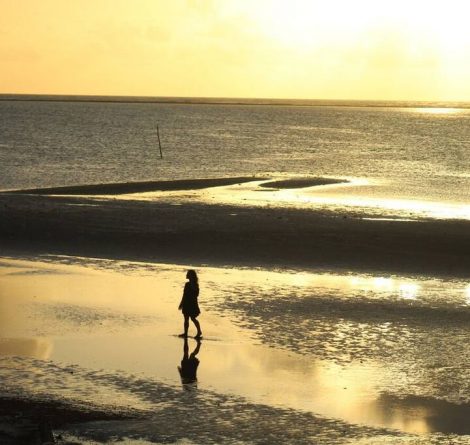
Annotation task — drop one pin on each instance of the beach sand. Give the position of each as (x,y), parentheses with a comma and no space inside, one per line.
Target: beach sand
(89,351)
(181,228)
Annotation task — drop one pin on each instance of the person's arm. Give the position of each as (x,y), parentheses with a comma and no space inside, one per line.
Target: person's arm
(182,298)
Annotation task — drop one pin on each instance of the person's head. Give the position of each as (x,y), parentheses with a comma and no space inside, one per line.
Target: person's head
(191,275)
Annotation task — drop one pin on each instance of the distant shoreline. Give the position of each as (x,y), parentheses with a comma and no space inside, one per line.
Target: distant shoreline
(233,101)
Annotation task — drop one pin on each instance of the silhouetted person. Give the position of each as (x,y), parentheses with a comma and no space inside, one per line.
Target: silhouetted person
(189,304)
(189,364)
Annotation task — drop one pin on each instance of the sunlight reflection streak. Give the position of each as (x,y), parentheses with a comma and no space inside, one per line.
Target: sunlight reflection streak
(409,291)
(438,111)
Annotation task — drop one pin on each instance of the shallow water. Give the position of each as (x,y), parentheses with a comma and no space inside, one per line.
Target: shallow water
(404,153)
(353,351)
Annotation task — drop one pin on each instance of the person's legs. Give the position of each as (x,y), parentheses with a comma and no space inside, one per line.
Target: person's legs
(198,326)
(186,325)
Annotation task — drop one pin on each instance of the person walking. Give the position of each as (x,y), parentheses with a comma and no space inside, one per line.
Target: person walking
(189,304)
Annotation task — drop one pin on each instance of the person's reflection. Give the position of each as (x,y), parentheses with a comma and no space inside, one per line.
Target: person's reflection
(189,364)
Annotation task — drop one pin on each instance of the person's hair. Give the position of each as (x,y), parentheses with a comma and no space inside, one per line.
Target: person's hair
(192,275)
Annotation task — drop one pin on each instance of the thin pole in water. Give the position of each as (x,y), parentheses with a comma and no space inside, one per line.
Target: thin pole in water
(159,144)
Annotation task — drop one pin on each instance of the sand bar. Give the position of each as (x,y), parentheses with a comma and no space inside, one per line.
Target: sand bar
(302,182)
(136,187)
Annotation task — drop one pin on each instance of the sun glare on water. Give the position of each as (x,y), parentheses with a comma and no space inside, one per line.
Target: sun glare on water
(439,111)
(467,295)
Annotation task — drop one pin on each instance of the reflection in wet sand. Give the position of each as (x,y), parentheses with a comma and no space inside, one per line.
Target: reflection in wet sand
(409,291)
(424,414)
(374,350)
(40,348)
(350,393)
(467,296)
(189,365)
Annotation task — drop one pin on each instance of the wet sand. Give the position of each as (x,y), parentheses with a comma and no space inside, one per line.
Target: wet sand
(88,320)
(184,229)
(97,339)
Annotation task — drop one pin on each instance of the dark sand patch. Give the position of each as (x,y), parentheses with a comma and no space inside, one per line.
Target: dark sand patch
(226,420)
(33,421)
(302,183)
(136,187)
(209,234)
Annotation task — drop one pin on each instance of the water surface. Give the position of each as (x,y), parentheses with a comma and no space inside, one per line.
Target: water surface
(380,351)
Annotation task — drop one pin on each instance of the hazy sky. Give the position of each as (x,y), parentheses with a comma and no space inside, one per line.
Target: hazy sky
(335,49)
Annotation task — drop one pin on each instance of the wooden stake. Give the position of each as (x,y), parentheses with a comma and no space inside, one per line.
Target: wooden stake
(159,144)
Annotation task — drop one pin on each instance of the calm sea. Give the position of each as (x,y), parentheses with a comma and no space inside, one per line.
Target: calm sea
(406,152)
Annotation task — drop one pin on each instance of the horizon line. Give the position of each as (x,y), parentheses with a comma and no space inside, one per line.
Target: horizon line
(214,100)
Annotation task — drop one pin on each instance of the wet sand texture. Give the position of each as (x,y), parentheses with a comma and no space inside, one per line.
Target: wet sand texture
(413,353)
(230,235)
(32,422)
(174,415)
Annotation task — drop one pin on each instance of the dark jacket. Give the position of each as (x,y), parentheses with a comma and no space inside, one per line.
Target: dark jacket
(189,304)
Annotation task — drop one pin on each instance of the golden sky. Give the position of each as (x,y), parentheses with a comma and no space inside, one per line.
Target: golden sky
(335,49)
